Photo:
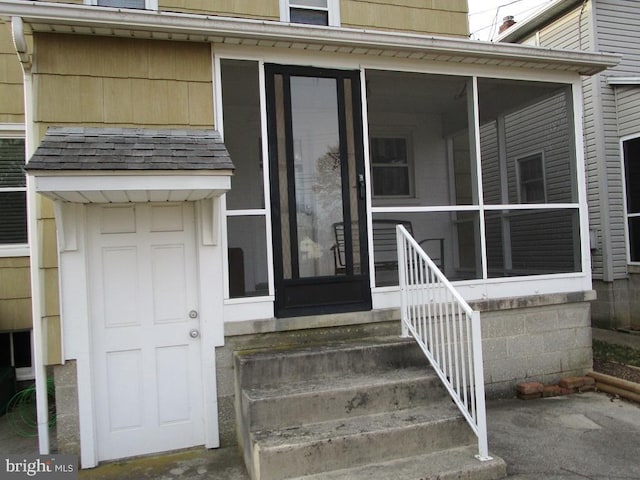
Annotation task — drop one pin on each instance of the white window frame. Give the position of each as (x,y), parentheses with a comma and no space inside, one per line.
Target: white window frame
(333,9)
(148,4)
(406,136)
(13,249)
(519,160)
(624,197)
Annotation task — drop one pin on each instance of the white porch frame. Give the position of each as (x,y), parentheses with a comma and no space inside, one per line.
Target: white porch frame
(247,309)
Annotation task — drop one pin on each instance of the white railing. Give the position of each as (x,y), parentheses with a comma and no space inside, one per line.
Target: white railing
(447,329)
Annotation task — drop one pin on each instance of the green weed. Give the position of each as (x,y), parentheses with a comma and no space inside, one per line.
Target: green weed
(616,353)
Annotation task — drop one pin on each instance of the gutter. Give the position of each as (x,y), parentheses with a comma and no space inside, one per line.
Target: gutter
(218,28)
(37,280)
(621,81)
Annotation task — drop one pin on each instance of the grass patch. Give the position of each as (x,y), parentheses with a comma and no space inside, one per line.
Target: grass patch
(616,353)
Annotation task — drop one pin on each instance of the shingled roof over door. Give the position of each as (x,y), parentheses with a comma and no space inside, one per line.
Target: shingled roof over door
(88,148)
(110,165)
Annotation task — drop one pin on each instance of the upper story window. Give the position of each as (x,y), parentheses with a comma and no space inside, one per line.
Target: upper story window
(13,195)
(138,4)
(312,12)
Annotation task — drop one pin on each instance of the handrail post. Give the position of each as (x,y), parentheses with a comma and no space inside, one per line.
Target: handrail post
(478,367)
(402,265)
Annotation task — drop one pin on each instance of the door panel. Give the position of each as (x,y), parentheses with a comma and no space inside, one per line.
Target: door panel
(318,208)
(147,367)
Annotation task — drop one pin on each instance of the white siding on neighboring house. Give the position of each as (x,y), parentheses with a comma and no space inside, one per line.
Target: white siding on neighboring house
(617,24)
(567,32)
(628,100)
(574,30)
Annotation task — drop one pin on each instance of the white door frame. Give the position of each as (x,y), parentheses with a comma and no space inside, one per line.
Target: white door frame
(71,220)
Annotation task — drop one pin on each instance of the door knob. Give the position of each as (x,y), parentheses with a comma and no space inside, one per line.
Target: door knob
(194,333)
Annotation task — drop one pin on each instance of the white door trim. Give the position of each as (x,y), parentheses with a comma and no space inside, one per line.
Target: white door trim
(75,308)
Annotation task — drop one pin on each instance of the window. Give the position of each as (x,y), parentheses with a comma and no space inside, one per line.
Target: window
(15,348)
(631,152)
(530,173)
(138,4)
(312,12)
(13,195)
(391,167)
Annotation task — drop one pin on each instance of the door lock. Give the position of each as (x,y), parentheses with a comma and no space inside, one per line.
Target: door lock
(193,314)
(361,185)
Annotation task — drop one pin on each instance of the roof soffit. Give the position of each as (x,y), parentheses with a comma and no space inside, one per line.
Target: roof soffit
(91,20)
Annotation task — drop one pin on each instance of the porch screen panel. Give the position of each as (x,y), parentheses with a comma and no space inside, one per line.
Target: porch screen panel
(420,140)
(527,142)
(317,171)
(451,239)
(532,242)
(242,132)
(247,254)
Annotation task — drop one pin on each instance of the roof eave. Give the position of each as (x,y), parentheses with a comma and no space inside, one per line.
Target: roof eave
(534,21)
(90,19)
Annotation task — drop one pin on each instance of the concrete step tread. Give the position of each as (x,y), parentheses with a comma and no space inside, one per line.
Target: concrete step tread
(410,418)
(342,382)
(321,349)
(454,463)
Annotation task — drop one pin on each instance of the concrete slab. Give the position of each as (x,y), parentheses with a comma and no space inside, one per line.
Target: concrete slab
(589,435)
(551,438)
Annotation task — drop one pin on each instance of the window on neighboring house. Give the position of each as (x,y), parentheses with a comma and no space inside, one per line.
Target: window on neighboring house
(391,167)
(312,12)
(631,151)
(13,193)
(530,174)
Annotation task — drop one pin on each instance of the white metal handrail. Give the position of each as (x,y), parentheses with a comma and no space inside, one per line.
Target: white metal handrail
(448,331)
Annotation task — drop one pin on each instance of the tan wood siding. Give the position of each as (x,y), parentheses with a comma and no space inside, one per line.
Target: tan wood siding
(122,82)
(11,91)
(265,9)
(101,81)
(429,17)
(15,294)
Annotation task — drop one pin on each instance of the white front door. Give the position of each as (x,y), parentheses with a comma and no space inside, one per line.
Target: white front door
(146,348)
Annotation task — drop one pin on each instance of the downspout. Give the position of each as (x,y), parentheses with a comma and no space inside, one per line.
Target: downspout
(39,342)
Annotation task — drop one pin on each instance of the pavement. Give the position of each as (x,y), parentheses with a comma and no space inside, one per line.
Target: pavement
(581,436)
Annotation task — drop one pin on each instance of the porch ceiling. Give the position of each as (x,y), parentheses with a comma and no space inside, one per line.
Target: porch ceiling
(90,20)
(119,165)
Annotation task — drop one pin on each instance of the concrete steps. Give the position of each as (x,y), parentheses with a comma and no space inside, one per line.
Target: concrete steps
(348,407)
